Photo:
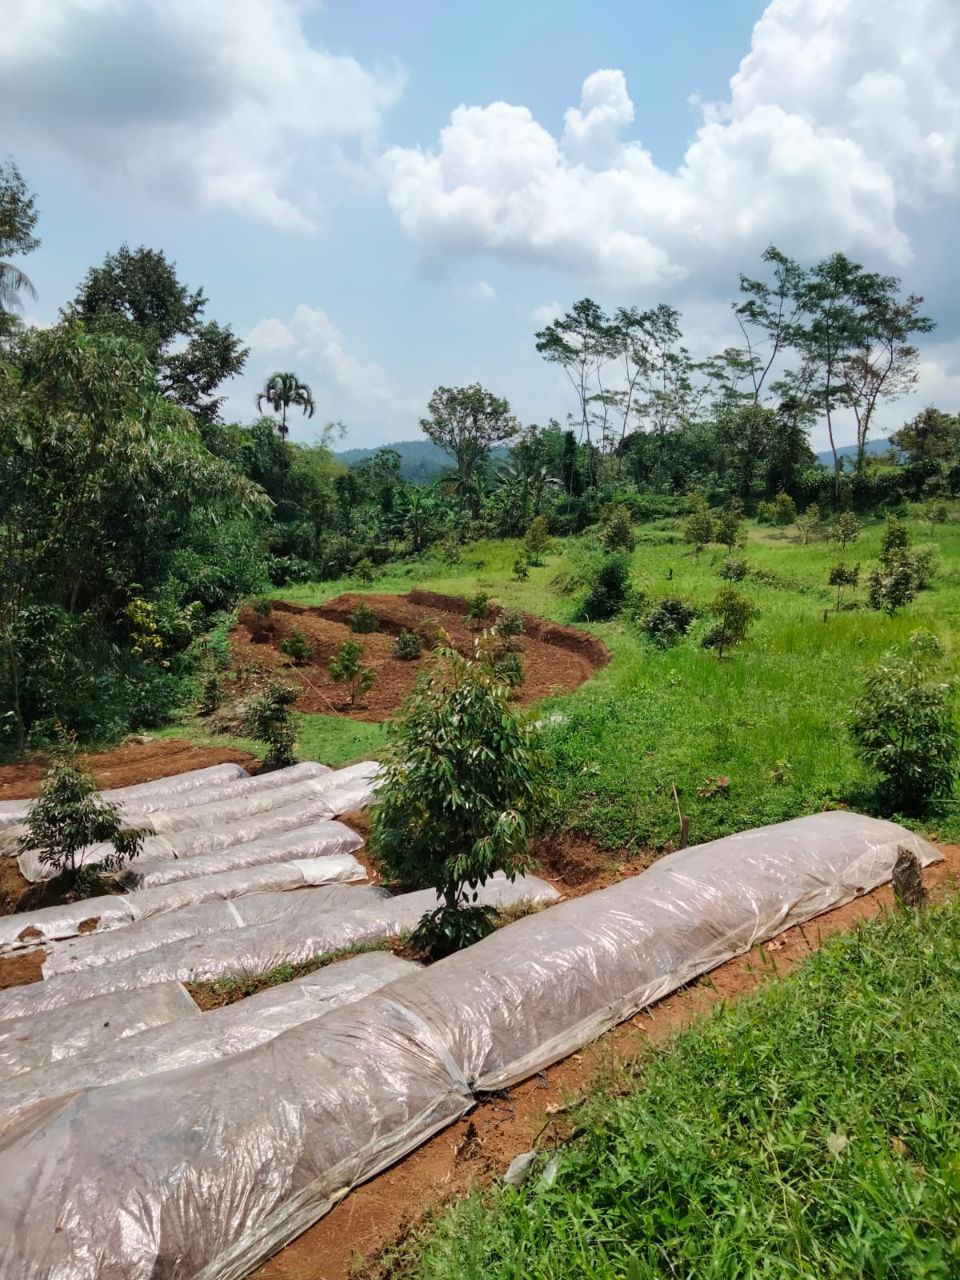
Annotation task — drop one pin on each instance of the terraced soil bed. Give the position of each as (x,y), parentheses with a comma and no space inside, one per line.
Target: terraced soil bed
(556,659)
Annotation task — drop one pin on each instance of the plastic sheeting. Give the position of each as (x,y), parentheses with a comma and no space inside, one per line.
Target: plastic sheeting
(202,921)
(221,789)
(89,1026)
(321,855)
(335,792)
(301,933)
(13,812)
(204,1172)
(212,1036)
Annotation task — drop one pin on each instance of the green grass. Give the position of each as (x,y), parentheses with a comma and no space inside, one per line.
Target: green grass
(771,717)
(809,1132)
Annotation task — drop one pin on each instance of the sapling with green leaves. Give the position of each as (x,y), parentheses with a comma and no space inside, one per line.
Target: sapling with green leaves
(461,784)
(617,529)
(843,576)
(536,541)
(69,815)
(728,528)
(733,613)
(269,719)
(346,666)
(845,529)
(699,526)
(807,523)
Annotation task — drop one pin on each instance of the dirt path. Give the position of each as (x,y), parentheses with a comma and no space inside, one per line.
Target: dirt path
(556,659)
(346,1243)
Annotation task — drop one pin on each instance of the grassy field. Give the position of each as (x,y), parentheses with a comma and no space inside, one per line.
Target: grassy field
(807,1133)
(770,718)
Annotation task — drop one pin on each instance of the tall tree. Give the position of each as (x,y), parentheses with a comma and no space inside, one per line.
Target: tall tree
(466,422)
(18,217)
(767,315)
(283,392)
(581,342)
(932,436)
(136,294)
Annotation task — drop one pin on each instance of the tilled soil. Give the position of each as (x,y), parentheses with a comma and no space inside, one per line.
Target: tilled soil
(555,659)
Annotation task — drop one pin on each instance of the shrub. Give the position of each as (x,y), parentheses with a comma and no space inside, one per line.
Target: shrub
(462,780)
(536,541)
(520,570)
(346,667)
(509,624)
(765,512)
(896,538)
(296,646)
(783,510)
(841,577)
(905,728)
(68,815)
(268,718)
(617,531)
(211,694)
(734,569)
(408,645)
(363,620)
(727,529)
(364,571)
(698,528)
(669,621)
(807,523)
(508,667)
(608,589)
(893,585)
(262,607)
(845,529)
(924,567)
(477,607)
(733,613)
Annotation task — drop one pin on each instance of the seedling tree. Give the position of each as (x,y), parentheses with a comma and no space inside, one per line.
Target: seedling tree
(727,527)
(698,528)
(346,667)
(461,783)
(536,541)
(269,719)
(617,533)
(841,577)
(733,613)
(905,725)
(67,816)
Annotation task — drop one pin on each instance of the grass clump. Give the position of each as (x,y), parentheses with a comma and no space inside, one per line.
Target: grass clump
(807,1132)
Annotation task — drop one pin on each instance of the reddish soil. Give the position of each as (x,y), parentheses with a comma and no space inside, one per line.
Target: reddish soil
(346,1244)
(555,659)
(125,765)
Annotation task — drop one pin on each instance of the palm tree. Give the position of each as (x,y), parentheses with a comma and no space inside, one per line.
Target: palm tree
(13,282)
(283,390)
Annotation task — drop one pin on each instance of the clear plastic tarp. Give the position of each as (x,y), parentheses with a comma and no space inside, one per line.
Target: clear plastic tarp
(202,920)
(221,789)
(217,1034)
(321,855)
(311,841)
(13,812)
(336,792)
(89,1026)
(203,1172)
(300,932)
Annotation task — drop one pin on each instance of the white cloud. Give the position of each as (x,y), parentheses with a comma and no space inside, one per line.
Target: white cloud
(485,291)
(269,335)
(546,314)
(843,114)
(223,102)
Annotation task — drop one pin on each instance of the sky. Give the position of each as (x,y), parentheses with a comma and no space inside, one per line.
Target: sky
(389,196)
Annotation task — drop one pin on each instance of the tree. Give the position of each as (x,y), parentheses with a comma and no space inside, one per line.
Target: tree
(460,786)
(609,584)
(466,422)
(905,726)
(698,528)
(269,719)
(807,523)
(727,528)
(767,316)
(841,577)
(137,295)
(784,510)
(284,391)
(845,529)
(617,529)
(536,540)
(931,436)
(18,217)
(346,667)
(580,342)
(67,817)
(733,613)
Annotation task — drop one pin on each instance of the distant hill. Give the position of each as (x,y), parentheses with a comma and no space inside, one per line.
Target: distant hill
(420,460)
(850,450)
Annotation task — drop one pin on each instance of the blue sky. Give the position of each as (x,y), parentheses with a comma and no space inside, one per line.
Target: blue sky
(389,196)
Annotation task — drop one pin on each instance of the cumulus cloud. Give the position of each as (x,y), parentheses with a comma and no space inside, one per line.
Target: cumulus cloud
(321,353)
(218,101)
(843,114)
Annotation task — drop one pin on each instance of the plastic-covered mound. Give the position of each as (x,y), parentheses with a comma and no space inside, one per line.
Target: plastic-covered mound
(210,1037)
(13,812)
(301,933)
(315,840)
(221,789)
(203,920)
(320,856)
(89,1026)
(204,1172)
(336,792)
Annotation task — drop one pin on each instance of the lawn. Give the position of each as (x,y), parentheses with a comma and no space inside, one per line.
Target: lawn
(770,719)
(808,1132)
